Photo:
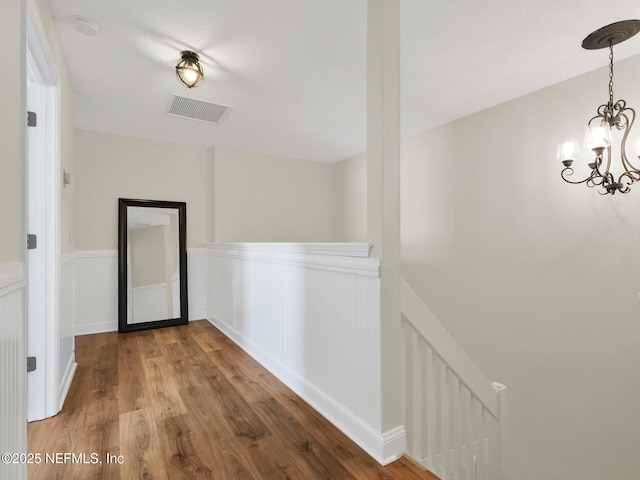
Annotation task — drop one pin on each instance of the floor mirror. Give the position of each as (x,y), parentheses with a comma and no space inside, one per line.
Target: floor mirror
(152,264)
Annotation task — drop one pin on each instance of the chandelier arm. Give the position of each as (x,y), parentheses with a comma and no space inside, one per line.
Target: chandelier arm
(618,108)
(597,180)
(568,171)
(608,169)
(626,180)
(628,166)
(609,185)
(595,172)
(602,112)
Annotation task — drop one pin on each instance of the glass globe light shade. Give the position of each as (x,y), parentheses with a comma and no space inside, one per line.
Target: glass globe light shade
(568,151)
(598,136)
(189,70)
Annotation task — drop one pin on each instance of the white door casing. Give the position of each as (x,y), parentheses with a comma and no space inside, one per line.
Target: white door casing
(43,206)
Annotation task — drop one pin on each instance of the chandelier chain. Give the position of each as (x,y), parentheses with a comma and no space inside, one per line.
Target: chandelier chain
(610,74)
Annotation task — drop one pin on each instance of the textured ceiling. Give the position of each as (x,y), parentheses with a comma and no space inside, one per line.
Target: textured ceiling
(294,71)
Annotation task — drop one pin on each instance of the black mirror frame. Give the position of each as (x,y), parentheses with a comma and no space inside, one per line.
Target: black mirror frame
(123,203)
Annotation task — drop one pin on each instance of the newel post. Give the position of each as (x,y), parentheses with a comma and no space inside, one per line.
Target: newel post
(501,390)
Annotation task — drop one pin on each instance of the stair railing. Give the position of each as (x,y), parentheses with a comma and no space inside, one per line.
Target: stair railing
(455,418)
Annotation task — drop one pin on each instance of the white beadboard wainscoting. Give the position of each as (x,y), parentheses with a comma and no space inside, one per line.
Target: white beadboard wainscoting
(197,282)
(310,313)
(456,419)
(96,289)
(13,431)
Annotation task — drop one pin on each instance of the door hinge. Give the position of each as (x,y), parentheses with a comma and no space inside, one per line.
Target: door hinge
(32,241)
(32,119)
(31,364)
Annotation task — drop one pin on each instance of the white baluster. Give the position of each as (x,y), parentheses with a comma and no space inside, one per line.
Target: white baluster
(430,424)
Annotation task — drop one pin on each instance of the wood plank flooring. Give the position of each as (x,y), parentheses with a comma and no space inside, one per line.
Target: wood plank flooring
(187,403)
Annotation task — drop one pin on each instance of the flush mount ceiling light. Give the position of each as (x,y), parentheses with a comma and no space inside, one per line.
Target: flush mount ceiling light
(189,70)
(611,116)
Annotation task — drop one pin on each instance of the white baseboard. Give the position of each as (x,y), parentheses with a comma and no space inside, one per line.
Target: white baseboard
(65,383)
(197,314)
(103,327)
(394,444)
(383,447)
(98,327)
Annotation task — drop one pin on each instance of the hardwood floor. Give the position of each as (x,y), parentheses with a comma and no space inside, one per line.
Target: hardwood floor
(187,403)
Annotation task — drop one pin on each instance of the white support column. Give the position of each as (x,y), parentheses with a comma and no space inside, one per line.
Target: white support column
(383,195)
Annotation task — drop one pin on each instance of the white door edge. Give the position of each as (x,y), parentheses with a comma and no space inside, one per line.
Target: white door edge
(43,206)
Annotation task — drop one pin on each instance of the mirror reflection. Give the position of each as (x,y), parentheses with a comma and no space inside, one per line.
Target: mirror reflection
(152,264)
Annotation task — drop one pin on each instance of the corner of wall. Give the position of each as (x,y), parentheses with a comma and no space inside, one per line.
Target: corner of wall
(211,194)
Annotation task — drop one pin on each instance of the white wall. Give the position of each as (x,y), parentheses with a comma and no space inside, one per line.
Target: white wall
(11,132)
(109,167)
(535,278)
(264,198)
(350,200)
(13,433)
(231,195)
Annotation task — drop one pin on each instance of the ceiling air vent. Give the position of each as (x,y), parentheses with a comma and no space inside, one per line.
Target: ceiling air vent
(196,109)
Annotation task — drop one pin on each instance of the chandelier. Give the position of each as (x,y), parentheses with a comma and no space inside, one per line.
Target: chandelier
(611,116)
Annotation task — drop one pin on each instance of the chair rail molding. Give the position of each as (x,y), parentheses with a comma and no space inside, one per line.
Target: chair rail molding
(338,257)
